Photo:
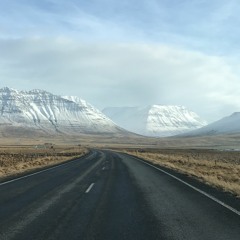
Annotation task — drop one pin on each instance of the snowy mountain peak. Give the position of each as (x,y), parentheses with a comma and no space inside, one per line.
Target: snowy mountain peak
(37,92)
(40,109)
(155,120)
(8,91)
(77,100)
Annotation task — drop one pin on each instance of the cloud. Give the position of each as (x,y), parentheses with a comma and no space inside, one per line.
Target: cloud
(115,53)
(50,18)
(209,26)
(122,74)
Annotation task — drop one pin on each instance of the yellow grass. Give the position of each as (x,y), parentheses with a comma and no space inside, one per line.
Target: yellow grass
(14,161)
(216,168)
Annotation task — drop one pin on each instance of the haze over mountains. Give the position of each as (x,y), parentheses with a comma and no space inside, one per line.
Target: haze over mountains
(28,112)
(155,120)
(226,125)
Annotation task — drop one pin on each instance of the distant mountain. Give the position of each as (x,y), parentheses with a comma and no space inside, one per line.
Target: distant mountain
(38,110)
(226,125)
(155,120)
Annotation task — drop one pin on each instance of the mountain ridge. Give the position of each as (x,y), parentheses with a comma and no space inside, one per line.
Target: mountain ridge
(42,110)
(226,125)
(155,120)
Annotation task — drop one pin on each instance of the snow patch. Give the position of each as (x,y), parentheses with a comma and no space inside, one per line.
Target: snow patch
(155,120)
(41,109)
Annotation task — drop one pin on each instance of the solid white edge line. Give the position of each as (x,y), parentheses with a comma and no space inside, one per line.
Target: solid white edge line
(194,188)
(36,173)
(89,188)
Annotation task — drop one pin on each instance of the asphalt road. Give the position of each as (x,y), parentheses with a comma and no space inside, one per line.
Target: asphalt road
(111,196)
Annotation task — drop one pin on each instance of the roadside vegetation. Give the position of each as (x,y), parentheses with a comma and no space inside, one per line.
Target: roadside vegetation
(217,168)
(16,160)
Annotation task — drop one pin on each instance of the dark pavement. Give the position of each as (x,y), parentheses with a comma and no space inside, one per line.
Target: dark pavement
(110,196)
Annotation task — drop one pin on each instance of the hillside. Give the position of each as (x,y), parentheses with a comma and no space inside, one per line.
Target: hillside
(155,120)
(41,111)
(226,125)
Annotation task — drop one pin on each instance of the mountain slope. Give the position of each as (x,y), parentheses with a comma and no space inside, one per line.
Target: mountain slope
(38,109)
(155,120)
(226,125)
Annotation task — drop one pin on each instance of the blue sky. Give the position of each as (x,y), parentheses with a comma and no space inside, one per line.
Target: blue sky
(125,53)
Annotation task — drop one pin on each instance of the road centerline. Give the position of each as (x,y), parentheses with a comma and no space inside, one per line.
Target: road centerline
(90,188)
(12,231)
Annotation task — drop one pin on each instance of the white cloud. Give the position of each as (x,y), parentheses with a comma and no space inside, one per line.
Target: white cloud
(122,74)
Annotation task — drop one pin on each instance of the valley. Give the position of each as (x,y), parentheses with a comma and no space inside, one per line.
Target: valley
(57,151)
(119,120)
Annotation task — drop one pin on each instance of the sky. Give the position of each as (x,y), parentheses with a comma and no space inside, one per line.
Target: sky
(125,53)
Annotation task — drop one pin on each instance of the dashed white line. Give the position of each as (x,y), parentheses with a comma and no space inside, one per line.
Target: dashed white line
(89,188)
(194,188)
(13,230)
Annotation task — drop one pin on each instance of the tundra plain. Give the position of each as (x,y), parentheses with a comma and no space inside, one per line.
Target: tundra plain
(214,160)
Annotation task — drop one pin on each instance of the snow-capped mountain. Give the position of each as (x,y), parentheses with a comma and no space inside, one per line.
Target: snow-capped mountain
(226,125)
(38,109)
(155,120)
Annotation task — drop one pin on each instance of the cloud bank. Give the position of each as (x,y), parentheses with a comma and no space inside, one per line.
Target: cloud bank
(122,74)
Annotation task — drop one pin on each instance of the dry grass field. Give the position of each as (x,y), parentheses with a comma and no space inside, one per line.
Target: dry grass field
(217,168)
(16,160)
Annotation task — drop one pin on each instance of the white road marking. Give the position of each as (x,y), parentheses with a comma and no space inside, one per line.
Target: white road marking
(89,188)
(13,230)
(194,188)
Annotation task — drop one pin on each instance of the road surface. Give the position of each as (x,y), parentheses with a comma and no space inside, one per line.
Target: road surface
(111,196)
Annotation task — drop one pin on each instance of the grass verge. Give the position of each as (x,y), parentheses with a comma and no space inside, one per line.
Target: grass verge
(15,161)
(216,168)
